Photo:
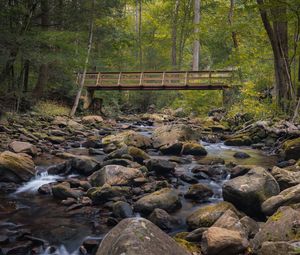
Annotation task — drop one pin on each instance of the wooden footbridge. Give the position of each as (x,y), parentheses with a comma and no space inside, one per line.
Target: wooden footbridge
(170,80)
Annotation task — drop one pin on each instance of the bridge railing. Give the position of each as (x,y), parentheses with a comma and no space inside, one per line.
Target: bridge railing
(157,80)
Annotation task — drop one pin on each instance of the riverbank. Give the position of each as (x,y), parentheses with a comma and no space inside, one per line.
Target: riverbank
(65,183)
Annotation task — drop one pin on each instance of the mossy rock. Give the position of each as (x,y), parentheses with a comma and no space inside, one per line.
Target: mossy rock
(191,247)
(291,149)
(207,215)
(193,148)
(239,140)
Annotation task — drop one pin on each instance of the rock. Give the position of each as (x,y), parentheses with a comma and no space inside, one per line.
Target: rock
(121,162)
(91,245)
(241,155)
(249,191)
(114,175)
(161,219)
(56,139)
(199,192)
(291,149)
(251,226)
(160,166)
(138,236)
(84,164)
(207,215)
(105,193)
(193,149)
(166,199)
(285,178)
(279,248)
(238,140)
(122,210)
(195,235)
(211,161)
(63,191)
(217,241)
(17,248)
(229,220)
(92,142)
(240,170)
(92,119)
(23,147)
(287,197)
(188,179)
(286,163)
(129,138)
(169,138)
(45,189)
(135,153)
(16,168)
(281,226)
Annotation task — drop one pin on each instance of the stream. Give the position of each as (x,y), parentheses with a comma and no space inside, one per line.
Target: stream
(66,231)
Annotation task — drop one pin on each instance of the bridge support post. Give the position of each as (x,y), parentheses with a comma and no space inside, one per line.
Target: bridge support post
(88,99)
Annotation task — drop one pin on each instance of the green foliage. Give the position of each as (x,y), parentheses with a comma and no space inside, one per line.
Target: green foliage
(250,102)
(51,108)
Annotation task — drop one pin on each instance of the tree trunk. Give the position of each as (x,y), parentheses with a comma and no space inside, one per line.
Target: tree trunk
(174,35)
(26,76)
(230,20)
(140,36)
(44,68)
(278,34)
(73,111)
(196,47)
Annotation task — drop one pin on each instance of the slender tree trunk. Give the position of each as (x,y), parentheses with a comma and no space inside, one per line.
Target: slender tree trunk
(278,38)
(174,34)
(230,21)
(137,29)
(44,67)
(26,76)
(140,36)
(91,30)
(196,47)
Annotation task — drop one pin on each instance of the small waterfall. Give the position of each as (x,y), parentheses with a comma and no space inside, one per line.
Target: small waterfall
(58,251)
(39,180)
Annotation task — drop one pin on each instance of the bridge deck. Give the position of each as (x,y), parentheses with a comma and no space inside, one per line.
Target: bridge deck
(177,80)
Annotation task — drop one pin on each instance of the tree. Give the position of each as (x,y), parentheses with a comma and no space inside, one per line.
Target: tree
(196,47)
(174,34)
(90,42)
(274,18)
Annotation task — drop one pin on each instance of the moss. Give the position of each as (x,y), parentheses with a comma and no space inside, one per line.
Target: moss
(51,108)
(191,247)
(277,216)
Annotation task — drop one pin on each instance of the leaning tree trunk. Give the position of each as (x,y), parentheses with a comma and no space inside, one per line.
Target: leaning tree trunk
(73,111)
(196,46)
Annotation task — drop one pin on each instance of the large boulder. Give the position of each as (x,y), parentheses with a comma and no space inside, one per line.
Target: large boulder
(249,191)
(193,148)
(23,147)
(291,149)
(285,178)
(137,154)
(217,241)
(64,191)
(207,215)
(106,193)
(160,166)
(199,192)
(279,248)
(114,175)
(169,138)
(129,138)
(166,199)
(84,164)
(289,196)
(16,167)
(238,140)
(281,226)
(138,236)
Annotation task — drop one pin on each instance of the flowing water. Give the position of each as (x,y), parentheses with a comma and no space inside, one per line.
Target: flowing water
(66,231)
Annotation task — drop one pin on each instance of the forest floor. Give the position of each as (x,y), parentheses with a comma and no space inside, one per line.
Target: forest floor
(213,187)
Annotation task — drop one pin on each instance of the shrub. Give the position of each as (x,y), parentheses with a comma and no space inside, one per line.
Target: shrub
(51,108)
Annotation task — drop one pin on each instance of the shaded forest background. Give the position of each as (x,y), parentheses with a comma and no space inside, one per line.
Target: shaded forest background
(44,42)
